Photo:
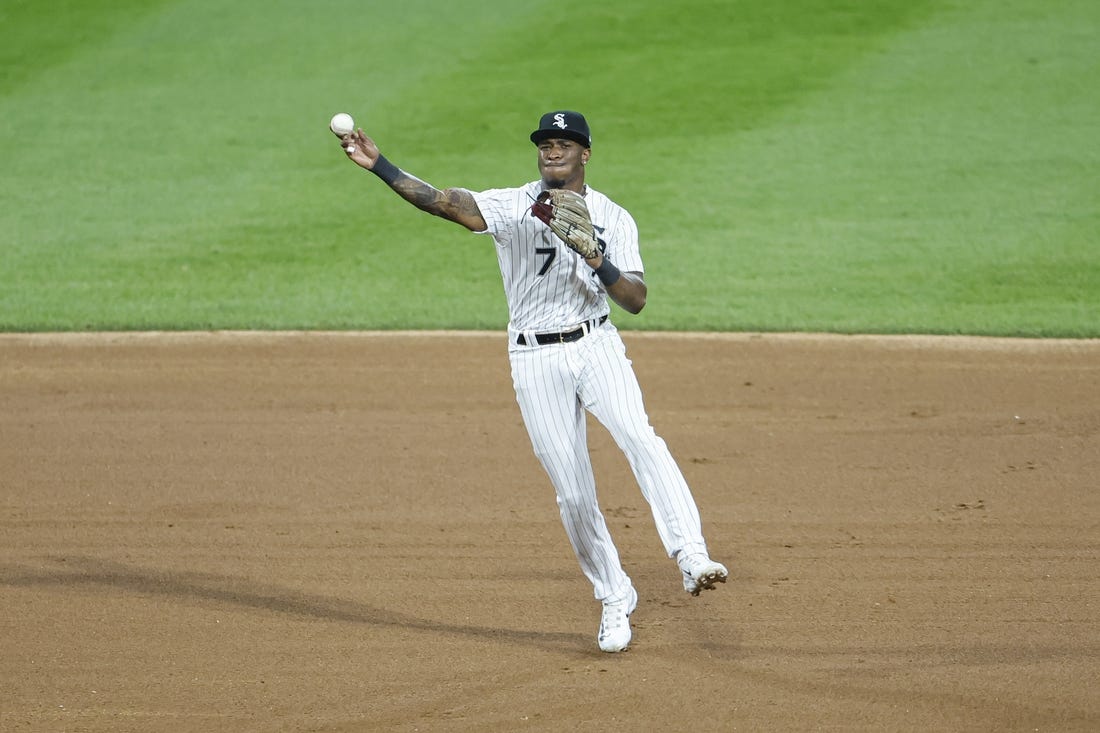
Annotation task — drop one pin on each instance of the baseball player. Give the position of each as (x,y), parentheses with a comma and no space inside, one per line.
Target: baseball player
(563,249)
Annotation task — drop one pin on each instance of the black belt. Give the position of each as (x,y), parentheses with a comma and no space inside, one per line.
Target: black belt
(563,337)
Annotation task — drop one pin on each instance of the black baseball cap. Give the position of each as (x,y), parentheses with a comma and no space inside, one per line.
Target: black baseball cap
(563,124)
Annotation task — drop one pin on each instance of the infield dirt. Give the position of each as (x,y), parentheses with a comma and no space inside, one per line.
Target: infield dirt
(349,532)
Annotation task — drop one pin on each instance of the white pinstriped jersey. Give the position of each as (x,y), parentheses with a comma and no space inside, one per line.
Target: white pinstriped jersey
(549,287)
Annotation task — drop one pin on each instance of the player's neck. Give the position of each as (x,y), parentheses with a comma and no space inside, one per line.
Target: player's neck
(580,187)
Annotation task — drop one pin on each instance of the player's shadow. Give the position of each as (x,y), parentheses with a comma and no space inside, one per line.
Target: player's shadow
(244,593)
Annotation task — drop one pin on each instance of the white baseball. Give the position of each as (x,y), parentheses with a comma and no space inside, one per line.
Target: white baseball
(342,124)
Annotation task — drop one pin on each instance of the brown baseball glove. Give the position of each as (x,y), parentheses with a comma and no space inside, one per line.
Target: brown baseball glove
(567,215)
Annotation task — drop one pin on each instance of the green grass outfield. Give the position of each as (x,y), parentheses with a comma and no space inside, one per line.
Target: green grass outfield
(892,166)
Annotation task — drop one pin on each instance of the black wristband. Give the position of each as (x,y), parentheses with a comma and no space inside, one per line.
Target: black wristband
(385,170)
(608,273)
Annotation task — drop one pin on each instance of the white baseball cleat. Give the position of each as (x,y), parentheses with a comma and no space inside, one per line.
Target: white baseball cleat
(701,573)
(615,624)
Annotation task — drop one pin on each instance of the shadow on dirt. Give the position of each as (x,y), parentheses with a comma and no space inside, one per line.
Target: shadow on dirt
(85,572)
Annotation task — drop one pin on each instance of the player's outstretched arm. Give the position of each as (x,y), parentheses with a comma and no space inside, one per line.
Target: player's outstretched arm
(454,204)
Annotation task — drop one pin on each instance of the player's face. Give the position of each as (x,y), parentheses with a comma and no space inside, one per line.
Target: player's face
(561,163)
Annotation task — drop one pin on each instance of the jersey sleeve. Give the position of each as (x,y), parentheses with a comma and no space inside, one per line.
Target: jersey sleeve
(622,242)
(497,209)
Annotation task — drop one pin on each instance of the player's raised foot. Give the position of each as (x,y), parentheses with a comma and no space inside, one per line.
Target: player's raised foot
(615,623)
(701,573)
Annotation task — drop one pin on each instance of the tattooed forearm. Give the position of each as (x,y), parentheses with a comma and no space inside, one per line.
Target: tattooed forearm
(422,195)
(454,204)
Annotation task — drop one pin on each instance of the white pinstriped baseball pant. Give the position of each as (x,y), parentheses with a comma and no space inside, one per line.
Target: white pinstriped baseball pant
(554,386)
